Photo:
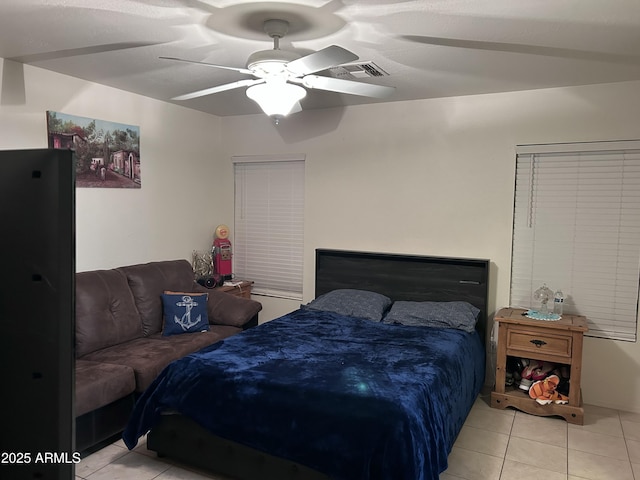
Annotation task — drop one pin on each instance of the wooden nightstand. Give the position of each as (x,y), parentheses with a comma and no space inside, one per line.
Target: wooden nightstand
(557,342)
(243,289)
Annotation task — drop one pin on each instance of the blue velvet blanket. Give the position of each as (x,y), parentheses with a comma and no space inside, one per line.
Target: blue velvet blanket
(351,398)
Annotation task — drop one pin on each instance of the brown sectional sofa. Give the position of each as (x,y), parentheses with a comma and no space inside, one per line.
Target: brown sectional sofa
(119,344)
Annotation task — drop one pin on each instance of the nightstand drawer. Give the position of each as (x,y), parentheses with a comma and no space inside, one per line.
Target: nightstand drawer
(539,343)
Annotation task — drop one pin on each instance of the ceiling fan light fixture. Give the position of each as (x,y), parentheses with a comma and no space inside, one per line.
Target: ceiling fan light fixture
(276,98)
(270,62)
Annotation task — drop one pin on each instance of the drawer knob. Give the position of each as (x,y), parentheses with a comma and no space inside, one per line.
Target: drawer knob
(538,343)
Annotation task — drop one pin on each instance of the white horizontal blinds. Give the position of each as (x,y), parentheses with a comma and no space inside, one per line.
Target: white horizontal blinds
(269,226)
(577,228)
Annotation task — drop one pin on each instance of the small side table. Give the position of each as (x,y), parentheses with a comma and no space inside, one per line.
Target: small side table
(241,289)
(552,341)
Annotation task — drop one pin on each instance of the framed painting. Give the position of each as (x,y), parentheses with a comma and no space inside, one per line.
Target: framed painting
(107,153)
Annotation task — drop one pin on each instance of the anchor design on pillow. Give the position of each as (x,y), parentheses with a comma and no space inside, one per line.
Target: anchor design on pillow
(186,322)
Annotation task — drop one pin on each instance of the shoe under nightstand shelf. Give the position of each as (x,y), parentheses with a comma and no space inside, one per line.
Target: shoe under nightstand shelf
(557,342)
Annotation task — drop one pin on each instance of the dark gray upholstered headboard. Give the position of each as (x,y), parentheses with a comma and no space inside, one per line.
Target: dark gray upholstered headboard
(406,277)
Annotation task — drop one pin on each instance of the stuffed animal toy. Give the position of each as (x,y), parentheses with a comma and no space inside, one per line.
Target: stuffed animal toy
(544,391)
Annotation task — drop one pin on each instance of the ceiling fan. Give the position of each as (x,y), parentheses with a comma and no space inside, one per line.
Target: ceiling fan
(280,75)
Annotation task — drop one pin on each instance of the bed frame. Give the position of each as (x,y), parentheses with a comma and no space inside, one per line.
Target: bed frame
(400,277)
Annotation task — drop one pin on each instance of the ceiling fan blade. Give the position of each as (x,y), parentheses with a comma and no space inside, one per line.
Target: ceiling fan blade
(526,49)
(72,52)
(235,69)
(321,60)
(296,108)
(346,86)
(219,88)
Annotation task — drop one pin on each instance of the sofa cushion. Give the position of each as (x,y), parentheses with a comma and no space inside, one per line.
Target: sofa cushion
(99,384)
(148,281)
(105,311)
(146,357)
(227,309)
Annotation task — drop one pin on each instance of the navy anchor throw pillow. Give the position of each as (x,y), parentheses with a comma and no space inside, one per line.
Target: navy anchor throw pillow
(184,313)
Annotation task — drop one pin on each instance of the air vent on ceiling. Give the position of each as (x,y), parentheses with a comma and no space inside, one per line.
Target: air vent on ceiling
(349,71)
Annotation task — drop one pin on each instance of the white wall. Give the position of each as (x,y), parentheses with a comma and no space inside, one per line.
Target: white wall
(436,177)
(175,211)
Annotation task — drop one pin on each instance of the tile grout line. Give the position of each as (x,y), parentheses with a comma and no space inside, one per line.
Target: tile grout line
(626,446)
(504,458)
(567,445)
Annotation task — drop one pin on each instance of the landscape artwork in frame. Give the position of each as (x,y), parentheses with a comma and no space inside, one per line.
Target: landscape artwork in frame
(107,153)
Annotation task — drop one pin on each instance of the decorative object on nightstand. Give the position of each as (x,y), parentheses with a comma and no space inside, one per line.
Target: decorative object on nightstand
(558,342)
(202,264)
(222,252)
(543,295)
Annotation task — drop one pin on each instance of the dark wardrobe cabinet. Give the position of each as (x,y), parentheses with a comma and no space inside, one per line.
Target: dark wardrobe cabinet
(37,311)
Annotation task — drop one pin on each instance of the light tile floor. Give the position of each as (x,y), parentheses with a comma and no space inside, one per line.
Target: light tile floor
(493,445)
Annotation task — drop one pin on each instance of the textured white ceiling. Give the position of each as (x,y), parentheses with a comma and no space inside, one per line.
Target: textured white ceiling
(430,48)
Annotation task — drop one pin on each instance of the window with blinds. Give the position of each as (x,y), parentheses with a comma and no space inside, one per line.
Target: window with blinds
(269,223)
(577,229)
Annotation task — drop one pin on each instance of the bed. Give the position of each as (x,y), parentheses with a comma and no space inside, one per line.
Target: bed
(328,393)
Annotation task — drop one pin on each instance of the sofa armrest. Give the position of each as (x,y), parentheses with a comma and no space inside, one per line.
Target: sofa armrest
(226,309)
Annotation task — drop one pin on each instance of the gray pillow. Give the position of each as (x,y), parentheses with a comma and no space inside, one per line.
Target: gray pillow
(353,303)
(460,315)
